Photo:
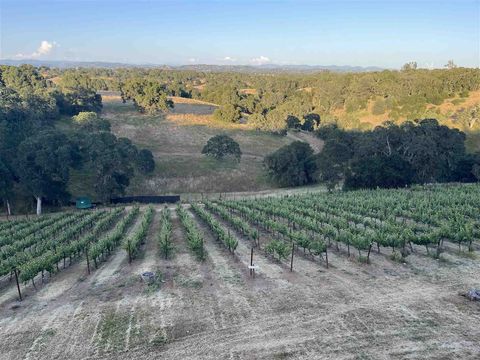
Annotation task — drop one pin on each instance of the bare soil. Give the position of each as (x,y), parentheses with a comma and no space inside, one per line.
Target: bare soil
(215,310)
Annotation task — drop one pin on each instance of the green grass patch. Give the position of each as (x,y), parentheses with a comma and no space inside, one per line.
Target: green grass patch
(113,328)
(154,286)
(467,254)
(188,282)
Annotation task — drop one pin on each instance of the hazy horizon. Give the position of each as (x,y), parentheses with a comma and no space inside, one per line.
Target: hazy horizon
(321,33)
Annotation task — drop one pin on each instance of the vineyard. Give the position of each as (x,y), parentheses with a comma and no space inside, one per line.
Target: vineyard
(38,246)
(395,220)
(373,273)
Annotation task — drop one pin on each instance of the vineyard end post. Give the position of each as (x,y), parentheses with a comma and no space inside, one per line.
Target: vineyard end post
(251,260)
(88,262)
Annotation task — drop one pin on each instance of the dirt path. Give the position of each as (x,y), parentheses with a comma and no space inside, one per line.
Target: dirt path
(313,141)
(110,269)
(200,155)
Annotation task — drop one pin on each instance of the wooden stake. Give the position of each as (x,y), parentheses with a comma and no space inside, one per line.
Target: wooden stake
(251,260)
(88,262)
(291,261)
(18,285)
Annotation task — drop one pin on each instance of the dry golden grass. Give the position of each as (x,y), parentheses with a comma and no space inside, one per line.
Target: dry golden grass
(114,96)
(372,119)
(306,89)
(181,100)
(249,91)
(449,106)
(55,80)
(111,98)
(207,120)
(446,109)
(176,140)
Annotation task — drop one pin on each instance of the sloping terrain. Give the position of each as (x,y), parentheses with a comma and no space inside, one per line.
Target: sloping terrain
(177,139)
(214,310)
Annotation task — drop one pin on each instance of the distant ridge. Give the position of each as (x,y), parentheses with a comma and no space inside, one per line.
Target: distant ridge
(69,64)
(266,68)
(279,68)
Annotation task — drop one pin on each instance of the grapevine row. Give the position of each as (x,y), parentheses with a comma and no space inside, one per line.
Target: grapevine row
(133,242)
(194,237)
(219,231)
(109,242)
(165,234)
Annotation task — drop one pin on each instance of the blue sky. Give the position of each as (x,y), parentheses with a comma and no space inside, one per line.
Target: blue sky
(381,33)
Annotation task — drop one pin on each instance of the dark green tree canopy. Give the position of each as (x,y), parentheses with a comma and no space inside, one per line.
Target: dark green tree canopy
(379,171)
(36,159)
(221,146)
(43,164)
(476,171)
(79,99)
(293,122)
(89,121)
(308,124)
(292,165)
(111,160)
(6,181)
(148,96)
(227,113)
(413,152)
(312,118)
(145,161)
(25,79)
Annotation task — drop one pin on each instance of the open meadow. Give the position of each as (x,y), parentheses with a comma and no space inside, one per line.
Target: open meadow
(176,140)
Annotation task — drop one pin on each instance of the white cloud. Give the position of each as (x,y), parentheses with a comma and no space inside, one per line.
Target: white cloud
(260,60)
(229,58)
(45,48)
(192,60)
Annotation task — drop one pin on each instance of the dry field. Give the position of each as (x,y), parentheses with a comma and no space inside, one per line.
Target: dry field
(177,139)
(215,310)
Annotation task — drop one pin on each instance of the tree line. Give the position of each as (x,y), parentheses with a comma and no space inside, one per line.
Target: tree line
(389,156)
(266,100)
(36,157)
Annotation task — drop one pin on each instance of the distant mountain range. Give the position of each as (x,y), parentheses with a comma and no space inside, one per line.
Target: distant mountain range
(278,68)
(63,64)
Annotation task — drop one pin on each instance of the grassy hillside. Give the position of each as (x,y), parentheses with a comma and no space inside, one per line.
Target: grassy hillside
(176,140)
(446,112)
